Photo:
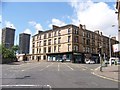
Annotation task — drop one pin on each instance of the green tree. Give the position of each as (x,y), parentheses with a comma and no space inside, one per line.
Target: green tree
(8,55)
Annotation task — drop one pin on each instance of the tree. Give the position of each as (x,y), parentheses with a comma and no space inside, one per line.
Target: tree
(8,55)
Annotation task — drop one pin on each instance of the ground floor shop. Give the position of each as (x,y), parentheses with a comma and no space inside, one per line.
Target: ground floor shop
(74,57)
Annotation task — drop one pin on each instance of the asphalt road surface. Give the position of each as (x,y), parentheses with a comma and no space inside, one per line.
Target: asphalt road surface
(53,75)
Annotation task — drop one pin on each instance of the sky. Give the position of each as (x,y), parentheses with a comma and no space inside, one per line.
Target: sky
(30,16)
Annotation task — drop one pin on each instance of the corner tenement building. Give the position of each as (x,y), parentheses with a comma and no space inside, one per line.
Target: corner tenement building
(74,42)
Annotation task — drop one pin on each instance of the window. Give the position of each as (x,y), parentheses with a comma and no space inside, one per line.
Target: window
(49,42)
(44,57)
(44,42)
(83,34)
(40,37)
(37,50)
(40,43)
(88,42)
(40,50)
(76,31)
(68,38)
(69,47)
(76,48)
(49,35)
(59,48)
(59,40)
(84,41)
(33,45)
(55,41)
(44,49)
(37,44)
(44,36)
(69,30)
(88,35)
(32,57)
(55,34)
(76,39)
(49,49)
(32,51)
(59,32)
(54,48)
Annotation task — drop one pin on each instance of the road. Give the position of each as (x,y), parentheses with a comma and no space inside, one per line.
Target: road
(53,75)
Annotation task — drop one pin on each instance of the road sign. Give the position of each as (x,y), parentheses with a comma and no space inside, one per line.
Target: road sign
(116,47)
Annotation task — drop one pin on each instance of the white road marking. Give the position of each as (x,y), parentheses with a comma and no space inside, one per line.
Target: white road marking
(97,68)
(26,86)
(46,67)
(30,68)
(22,70)
(83,69)
(68,66)
(105,77)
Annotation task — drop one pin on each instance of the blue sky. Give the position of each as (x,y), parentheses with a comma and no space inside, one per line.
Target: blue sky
(30,16)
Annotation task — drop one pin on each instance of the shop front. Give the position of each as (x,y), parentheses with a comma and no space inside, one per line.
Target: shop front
(78,57)
(59,57)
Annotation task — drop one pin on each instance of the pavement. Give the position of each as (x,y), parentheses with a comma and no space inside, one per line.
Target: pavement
(109,72)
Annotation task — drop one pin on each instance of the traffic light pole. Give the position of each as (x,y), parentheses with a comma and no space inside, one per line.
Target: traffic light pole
(100,62)
(100,58)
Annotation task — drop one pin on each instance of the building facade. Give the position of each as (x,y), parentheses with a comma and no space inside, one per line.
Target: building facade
(75,43)
(24,43)
(8,35)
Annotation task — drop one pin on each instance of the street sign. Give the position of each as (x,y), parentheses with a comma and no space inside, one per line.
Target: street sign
(116,47)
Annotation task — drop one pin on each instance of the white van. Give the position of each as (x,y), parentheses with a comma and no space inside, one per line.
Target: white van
(112,60)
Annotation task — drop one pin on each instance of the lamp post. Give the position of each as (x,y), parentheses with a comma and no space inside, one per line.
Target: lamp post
(110,50)
(100,58)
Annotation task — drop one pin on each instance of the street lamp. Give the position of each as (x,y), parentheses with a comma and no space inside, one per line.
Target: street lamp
(100,48)
(110,50)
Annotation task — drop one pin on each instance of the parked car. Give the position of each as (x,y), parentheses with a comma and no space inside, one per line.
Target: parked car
(118,62)
(113,59)
(90,62)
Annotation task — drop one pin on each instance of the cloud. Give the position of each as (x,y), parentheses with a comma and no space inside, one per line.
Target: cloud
(57,22)
(36,25)
(96,16)
(28,31)
(9,24)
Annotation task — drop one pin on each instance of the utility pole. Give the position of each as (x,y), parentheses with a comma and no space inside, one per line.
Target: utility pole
(110,50)
(100,51)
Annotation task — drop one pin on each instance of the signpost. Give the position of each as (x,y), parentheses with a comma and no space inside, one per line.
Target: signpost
(116,48)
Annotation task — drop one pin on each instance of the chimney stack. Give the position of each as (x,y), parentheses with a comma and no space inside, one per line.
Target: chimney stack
(54,26)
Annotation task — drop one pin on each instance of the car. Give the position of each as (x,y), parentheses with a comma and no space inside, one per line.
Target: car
(112,60)
(90,62)
(118,62)
(106,62)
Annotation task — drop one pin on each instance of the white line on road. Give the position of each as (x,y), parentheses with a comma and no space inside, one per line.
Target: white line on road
(97,68)
(83,69)
(46,67)
(105,77)
(30,68)
(26,86)
(68,66)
